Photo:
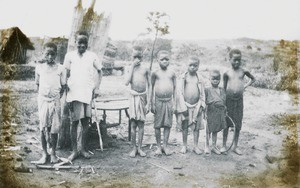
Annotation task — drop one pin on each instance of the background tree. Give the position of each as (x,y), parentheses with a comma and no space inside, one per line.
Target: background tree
(158,26)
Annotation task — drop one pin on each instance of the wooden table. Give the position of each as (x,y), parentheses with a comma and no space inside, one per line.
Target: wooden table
(114,104)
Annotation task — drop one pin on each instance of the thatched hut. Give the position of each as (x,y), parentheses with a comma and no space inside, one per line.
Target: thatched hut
(14,45)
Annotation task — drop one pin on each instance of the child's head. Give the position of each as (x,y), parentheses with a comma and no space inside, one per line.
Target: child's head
(163,58)
(193,64)
(50,52)
(137,53)
(235,57)
(82,40)
(215,77)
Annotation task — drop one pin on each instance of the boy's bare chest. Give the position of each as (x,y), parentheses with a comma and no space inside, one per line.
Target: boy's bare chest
(236,75)
(139,72)
(191,80)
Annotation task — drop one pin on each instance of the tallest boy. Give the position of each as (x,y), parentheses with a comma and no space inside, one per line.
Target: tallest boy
(82,66)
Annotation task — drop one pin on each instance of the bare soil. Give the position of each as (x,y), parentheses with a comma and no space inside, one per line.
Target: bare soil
(265,162)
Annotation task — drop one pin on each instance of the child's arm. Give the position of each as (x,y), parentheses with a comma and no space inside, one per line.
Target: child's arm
(130,75)
(174,91)
(225,80)
(252,79)
(37,77)
(153,79)
(134,64)
(202,96)
(63,81)
(98,67)
(148,77)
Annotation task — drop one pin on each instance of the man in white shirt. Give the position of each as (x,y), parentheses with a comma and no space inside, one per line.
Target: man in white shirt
(83,85)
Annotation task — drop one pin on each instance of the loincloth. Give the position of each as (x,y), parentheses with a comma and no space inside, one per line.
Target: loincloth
(235,109)
(163,116)
(49,113)
(216,117)
(193,116)
(137,105)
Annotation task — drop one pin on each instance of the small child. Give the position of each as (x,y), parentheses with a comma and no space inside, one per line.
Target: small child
(50,78)
(163,84)
(234,86)
(191,103)
(139,80)
(215,98)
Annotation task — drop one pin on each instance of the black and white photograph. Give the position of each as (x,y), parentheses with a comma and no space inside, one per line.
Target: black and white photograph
(149,93)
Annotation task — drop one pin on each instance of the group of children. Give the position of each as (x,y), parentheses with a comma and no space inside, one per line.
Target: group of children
(157,91)
(194,105)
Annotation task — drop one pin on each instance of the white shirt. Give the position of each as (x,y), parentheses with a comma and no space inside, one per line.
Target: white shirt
(50,78)
(83,71)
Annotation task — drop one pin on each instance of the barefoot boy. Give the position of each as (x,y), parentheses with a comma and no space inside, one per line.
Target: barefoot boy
(216,111)
(234,86)
(190,103)
(139,80)
(50,78)
(84,78)
(163,87)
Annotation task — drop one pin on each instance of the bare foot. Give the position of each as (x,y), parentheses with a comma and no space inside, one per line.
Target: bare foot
(207,150)
(158,152)
(237,151)
(166,151)
(141,153)
(197,150)
(216,150)
(183,150)
(133,153)
(53,159)
(42,160)
(223,150)
(73,156)
(85,154)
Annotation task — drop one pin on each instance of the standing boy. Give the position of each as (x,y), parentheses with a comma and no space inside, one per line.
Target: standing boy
(215,98)
(50,78)
(139,80)
(163,87)
(191,103)
(82,66)
(234,86)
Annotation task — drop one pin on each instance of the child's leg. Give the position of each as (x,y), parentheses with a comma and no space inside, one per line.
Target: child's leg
(158,141)
(166,139)
(225,135)
(43,159)
(74,140)
(196,139)
(214,141)
(53,156)
(207,150)
(85,128)
(133,137)
(140,139)
(235,143)
(184,136)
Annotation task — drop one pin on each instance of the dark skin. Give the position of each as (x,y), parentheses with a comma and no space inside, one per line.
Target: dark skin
(191,96)
(82,44)
(46,137)
(233,81)
(163,83)
(214,80)
(139,80)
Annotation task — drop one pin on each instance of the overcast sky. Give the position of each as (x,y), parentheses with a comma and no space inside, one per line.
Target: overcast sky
(189,19)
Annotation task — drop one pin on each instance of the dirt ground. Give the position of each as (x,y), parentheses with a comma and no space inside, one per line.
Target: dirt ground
(266,161)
